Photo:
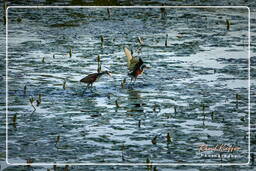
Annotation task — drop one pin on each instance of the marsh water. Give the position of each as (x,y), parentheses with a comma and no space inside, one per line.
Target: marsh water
(195,90)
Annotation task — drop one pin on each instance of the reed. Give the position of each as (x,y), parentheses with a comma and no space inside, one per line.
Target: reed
(102,40)
(117,105)
(31,100)
(70,53)
(166,40)
(169,138)
(228,24)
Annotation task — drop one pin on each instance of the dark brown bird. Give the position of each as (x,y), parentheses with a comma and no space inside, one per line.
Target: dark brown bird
(135,66)
(91,78)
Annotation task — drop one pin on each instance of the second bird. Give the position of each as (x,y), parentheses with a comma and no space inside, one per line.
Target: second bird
(91,78)
(135,66)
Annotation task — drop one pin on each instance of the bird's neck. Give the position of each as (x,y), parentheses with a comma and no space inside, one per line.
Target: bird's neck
(101,73)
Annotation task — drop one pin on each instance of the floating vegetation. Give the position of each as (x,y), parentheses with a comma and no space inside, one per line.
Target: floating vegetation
(70,53)
(66,168)
(166,40)
(95,115)
(14,120)
(122,149)
(154,140)
(156,106)
(109,14)
(55,167)
(29,162)
(228,24)
(4,11)
(252,159)
(19,19)
(38,102)
(64,84)
(140,40)
(117,105)
(109,95)
(242,119)
(66,24)
(99,68)
(99,64)
(175,110)
(57,140)
(203,107)
(123,83)
(102,40)
(139,123)
(237,100)
(25,90)
(31,100)
(98,59)
(169,138)
(155,168)
(212,115)
(149,164)
(40,97)
(163,12)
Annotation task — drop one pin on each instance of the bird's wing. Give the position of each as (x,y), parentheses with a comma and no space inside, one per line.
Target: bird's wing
(131,61)
(89,78)
(128,54)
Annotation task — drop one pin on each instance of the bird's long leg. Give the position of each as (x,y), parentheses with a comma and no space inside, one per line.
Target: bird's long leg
(131,82)
(91,87)
(86,88)
(134,81)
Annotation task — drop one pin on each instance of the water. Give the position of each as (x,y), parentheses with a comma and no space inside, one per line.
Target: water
(203,64)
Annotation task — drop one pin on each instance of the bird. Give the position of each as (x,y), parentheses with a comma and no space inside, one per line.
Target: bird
(91,78)
(135,66)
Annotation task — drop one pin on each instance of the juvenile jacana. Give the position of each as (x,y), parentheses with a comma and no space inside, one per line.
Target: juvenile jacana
(91,78)
(135,66)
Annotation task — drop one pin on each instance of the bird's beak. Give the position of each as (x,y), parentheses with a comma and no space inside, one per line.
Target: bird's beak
(110,74)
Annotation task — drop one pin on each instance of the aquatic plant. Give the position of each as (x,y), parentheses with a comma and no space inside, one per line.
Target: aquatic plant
(31,100)
(102,40)
(123,83)
(154,140)
(166,40)
(70,53)
(169,138)
(140,40)
(117,105)
(64,84)
(25,90)
(228,24)
(149,164)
